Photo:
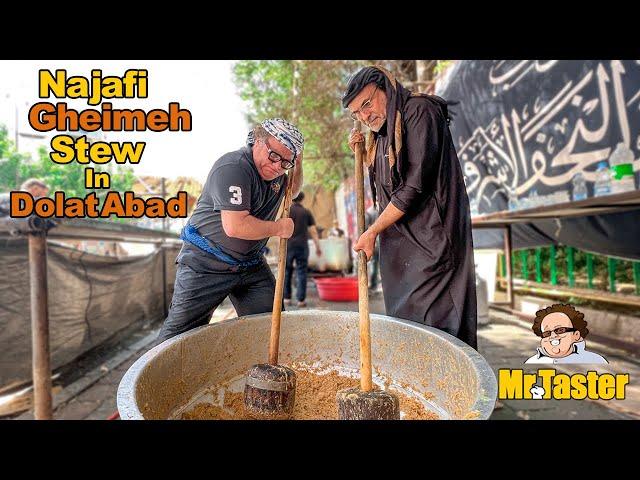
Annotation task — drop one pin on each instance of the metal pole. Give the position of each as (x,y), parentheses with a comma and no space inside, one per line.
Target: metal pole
(507,256)
(40,327)
(538,265)
(589,270)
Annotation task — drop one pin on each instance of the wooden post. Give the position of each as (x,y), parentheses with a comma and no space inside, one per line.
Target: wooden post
(276,315)
(41,365)
(366,377)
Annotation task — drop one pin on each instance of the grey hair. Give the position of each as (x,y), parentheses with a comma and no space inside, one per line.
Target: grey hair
(260,133)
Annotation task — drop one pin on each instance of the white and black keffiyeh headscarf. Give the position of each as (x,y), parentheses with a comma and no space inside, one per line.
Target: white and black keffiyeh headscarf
(286,133)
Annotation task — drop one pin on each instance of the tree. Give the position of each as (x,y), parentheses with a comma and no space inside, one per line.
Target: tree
(16,167)
(13,167)
(441,66)
(307,93)
(267,86)
(70,178)
(310,91)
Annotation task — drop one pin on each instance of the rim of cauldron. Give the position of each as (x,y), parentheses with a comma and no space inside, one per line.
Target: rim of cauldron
(484,405)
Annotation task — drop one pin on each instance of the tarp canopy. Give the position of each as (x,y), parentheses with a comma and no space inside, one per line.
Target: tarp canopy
(530,126)
(91,298)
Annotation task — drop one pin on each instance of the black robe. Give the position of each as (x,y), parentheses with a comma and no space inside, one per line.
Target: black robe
(426,258)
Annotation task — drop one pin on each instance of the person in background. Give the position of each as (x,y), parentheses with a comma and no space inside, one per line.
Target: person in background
(298,250)
(37,188)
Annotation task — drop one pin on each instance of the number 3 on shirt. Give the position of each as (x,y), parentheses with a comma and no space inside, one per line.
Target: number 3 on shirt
(236,199)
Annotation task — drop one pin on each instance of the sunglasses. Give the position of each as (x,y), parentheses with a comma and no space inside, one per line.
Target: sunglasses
(276,157)
(558,331)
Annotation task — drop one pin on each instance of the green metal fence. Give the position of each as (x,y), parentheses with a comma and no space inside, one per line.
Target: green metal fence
(568,266)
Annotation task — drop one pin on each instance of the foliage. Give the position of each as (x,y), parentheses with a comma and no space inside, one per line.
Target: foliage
(16,167)
(441,66)
(308,94)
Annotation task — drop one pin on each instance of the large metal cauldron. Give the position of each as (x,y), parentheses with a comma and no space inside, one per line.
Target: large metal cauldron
(417,358)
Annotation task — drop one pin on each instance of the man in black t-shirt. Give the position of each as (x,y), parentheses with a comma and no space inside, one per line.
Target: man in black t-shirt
(298,250)
(224,238)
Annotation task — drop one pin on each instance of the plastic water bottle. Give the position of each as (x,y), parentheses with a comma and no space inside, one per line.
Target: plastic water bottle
(579,187)
(621,161)
(603,180)
(473,204)
(513,200)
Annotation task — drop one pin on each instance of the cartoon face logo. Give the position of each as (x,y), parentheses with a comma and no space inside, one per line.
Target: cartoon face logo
(558,334)
(562,330)
(275,186)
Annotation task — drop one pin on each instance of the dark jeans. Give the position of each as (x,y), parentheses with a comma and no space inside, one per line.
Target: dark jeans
(300,254)
(198,293)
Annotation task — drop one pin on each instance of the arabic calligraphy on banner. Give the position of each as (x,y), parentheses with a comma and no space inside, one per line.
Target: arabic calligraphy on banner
(522,125)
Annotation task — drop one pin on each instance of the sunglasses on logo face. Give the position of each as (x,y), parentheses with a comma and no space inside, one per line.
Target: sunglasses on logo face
(558,331)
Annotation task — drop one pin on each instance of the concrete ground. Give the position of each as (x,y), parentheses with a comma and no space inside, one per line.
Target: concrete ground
(506,342)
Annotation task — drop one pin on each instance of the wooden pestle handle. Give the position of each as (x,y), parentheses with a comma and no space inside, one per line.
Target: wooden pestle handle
(366,382)
(274,341)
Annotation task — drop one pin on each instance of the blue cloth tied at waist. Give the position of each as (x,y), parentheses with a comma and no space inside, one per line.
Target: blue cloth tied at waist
(190,234)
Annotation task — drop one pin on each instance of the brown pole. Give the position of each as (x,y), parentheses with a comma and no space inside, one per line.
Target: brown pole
(40,327)
(274,340)
(366,382)
(507,258)
(276,315)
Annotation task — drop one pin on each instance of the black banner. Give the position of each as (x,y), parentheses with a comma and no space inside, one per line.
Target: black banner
(523,129)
